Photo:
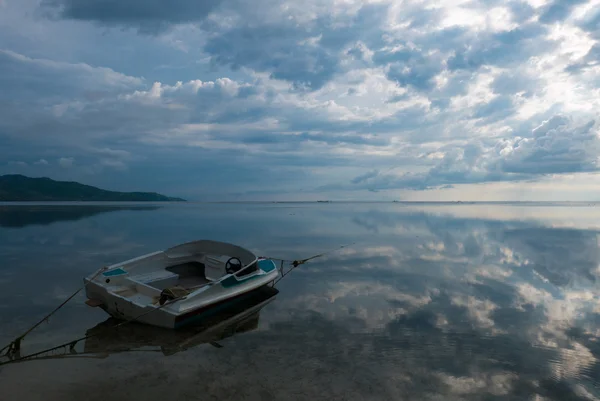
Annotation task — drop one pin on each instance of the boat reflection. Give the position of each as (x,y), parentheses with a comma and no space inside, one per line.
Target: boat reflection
(241,318)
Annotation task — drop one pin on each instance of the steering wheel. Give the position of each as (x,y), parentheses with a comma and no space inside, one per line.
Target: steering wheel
(233,265)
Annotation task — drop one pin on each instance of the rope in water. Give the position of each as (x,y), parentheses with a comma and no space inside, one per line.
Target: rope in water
(71,344)
(15,345)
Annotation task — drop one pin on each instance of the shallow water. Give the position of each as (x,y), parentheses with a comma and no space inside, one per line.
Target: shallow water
(432,302)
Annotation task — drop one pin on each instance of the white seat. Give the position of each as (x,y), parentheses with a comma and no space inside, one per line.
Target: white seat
(214,266)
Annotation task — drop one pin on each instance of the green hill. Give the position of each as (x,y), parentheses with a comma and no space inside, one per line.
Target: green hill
(16,187)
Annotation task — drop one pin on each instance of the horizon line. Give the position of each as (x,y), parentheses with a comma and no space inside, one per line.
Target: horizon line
(304,201)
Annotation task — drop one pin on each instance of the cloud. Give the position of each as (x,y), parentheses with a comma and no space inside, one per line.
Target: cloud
(66,162)
(308,55)
(558,10)
(17,163)
(39,94)
(117,159)
(431,302)
(509,83)
(148,16)
(41,162)
(591,22)
(499,384)
(479,310)
(558,145)
(502,49)
(67,79)
(365,177)
(411,68)
(351,98)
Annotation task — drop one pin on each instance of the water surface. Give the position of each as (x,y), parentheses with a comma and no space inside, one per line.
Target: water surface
(432,302)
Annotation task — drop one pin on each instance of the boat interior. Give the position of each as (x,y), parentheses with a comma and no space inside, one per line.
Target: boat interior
(187,275)
(188,266)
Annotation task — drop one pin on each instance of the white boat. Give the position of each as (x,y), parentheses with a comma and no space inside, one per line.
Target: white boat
(181,285)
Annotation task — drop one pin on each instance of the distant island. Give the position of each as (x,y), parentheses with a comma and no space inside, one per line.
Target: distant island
(19,188)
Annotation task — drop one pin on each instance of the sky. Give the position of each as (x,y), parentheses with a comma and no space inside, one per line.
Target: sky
(319,99)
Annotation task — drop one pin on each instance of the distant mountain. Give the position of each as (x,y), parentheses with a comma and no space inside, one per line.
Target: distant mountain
(16,187)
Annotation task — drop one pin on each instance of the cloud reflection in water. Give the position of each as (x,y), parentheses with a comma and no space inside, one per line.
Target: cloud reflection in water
(430,303)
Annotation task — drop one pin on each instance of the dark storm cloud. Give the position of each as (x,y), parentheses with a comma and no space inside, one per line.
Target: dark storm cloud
(271,49)
(307,55)
(149,16)
(417,73)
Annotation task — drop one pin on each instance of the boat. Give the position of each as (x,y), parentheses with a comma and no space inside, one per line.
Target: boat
(236,319)
(181,285)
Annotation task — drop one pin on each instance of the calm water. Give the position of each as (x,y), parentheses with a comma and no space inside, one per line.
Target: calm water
(432,302)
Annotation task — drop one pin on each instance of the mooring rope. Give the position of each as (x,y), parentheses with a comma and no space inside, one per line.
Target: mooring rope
(296,263)
(71,344)
(15,345)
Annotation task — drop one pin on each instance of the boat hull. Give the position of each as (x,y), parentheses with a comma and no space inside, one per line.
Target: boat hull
(123,309)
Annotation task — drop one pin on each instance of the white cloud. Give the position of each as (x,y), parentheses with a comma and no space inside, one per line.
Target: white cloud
(533,295)
(572,362)
(479,311)
(376,304)
(17,163)
(66,162)
(558,145)
(85,72)
(499,384)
